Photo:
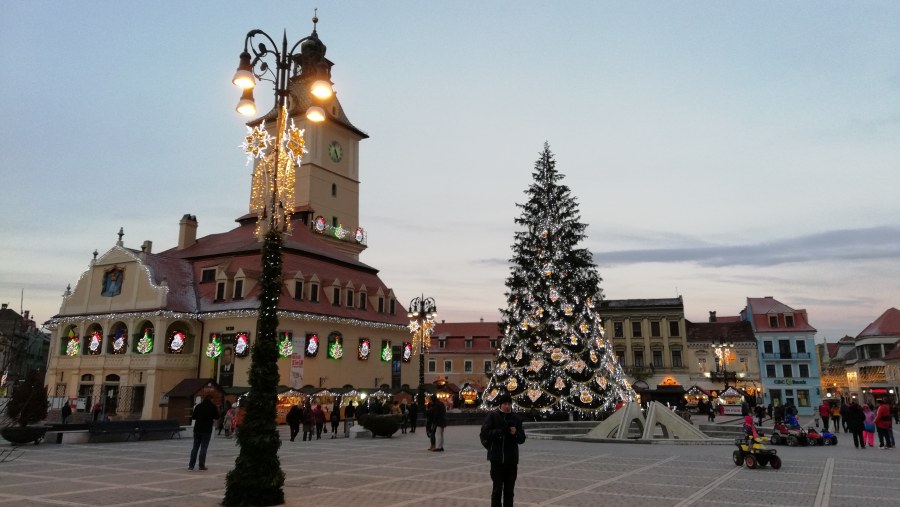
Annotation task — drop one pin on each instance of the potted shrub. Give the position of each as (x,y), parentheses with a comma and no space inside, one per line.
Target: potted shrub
(381,425)
(28,405)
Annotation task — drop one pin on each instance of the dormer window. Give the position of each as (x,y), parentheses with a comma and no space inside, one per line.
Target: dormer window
(313,292)
(350,297)
(336,296)
(789,321)
(380,304)
(238,289)
(392,305)
(362,300)
(298,290)
(220,291)
(773,321)
(208,275)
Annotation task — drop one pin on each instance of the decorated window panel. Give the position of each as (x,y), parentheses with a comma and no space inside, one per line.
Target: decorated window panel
(364,350)
(386,352)
(242,344)
(311,348)
(176,342)
(93,343)
(118,341)
(285,344)
(143,343)
(70,343)
(407,352)
(335,345)
(214,347)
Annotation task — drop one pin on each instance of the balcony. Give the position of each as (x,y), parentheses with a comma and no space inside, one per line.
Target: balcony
(793,356)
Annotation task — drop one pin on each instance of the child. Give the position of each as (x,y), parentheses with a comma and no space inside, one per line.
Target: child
(749,428)
(868,427)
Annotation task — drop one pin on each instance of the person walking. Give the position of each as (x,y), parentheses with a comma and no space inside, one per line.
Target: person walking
(403,420)
(293,420)
(854,419)
(836,417)
(349,412)
(413,415)
(760,414)
(308,419)
(66,412)
(869,426)
(204,414)
(825,414)
(502,434)
(228,421)
(319,418)
(335,419)
(440,422)
(429,423)
(883,425)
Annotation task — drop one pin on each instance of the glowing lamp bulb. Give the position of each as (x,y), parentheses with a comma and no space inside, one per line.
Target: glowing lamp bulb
(321,89)
(315,113)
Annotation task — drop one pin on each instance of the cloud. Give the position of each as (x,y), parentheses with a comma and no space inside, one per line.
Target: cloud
(875,243)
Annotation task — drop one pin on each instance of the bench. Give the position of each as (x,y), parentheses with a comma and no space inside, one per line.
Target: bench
(106,428)
(170,426)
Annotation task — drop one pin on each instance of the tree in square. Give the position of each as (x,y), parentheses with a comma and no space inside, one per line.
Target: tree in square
(554,355)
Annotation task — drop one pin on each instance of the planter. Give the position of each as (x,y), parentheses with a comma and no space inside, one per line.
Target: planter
(381,425)
(19,435)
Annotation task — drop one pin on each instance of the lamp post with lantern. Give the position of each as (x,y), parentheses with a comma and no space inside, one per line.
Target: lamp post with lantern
(301,79)
(722,350)
(422,312)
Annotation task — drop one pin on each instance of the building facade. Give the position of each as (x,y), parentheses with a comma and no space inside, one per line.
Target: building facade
(463,353)
(723,353)
(787,354)
(650,341)
(138,322)
(867,368)
(23,347)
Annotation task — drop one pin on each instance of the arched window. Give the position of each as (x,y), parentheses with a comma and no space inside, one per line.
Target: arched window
(117,342)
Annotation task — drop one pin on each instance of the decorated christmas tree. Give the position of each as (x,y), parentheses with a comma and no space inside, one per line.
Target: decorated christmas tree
(554,355)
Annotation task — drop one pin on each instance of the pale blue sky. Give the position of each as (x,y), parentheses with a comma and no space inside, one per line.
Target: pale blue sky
(718,150)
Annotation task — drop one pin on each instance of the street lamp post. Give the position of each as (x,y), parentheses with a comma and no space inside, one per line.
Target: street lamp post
(422,312)
(257,478)
(723,351)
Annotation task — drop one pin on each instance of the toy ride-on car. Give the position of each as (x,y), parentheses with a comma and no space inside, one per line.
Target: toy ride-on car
(792,436)
(825,438)
(752,452)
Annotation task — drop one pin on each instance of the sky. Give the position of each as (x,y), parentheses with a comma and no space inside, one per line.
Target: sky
(717,150)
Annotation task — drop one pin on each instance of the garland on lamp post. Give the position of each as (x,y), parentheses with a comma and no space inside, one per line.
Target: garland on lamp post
(257,478)
(422,312)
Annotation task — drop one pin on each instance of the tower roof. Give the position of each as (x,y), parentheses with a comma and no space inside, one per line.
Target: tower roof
(888,324)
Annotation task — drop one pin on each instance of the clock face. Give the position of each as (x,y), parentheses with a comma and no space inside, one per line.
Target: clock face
(335,152)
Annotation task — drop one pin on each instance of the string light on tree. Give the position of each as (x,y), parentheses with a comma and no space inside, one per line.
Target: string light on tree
(553,355)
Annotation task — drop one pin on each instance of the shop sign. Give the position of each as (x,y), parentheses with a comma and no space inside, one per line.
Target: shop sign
(788,381)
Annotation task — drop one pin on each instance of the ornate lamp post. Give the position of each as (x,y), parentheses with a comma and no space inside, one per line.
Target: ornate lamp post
(301,78)
(422,312)
(723,352)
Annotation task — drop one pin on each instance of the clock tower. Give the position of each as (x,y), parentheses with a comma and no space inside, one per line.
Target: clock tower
(327,181)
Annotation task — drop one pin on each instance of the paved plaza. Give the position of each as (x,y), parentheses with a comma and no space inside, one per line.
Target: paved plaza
(399,471)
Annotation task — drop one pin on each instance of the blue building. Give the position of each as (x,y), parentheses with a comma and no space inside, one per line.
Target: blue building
(787,354)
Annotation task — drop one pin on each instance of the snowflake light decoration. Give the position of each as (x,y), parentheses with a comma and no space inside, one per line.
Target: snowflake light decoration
(294,142)
(256,142)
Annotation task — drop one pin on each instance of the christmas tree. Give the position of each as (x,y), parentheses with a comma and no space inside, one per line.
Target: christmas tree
(554,355)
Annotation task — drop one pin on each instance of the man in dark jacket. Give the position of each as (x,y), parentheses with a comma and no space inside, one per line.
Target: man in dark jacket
(204,415)
(439,422)
(413,415)
(293,420)
(502,434)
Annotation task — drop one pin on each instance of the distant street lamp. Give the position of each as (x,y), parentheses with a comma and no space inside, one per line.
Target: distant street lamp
(257,478)
(422,312)
(723,352)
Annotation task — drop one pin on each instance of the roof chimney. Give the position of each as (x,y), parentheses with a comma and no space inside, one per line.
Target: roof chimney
(147,246)
(712,316)
(187,231)
(25,314)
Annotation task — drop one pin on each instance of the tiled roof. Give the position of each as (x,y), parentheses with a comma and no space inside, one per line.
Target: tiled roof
(888,324)
(761,308)
(178,274)
(303,251)
(709,332)
(455,335)
(491,329)
(614,304)
(832,349)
